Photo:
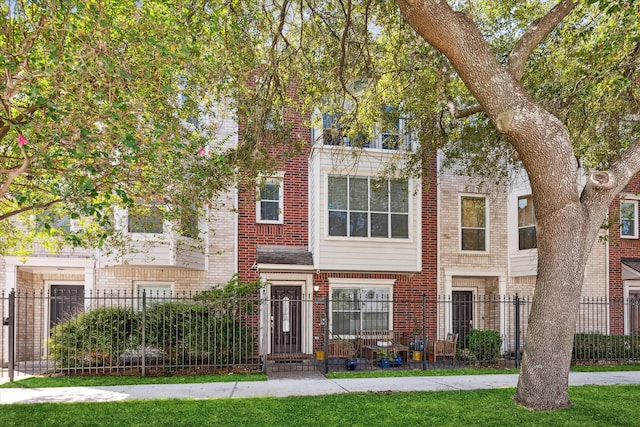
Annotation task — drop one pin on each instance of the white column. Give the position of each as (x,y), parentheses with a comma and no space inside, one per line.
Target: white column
(502,292)
(89,285)
(448,291)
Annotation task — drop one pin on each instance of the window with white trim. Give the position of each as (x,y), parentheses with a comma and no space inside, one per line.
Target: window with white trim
(269,205)
(526,224)
(188,223)
(367,207)
(473,223)
(629,219)
(153,293)
(356,308)
(146,219)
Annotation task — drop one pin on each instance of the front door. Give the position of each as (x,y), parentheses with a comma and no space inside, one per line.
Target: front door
(65,301)
(462,314)
(286,317)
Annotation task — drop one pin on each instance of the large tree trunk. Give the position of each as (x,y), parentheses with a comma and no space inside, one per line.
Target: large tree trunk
(566,226)
(562,256)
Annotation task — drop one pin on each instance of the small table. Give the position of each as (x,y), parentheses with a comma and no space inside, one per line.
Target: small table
(371,351)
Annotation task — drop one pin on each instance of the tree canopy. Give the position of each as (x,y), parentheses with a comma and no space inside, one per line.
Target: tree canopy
(105,104)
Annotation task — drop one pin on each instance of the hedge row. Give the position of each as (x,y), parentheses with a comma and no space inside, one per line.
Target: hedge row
(602,347)
(174,333)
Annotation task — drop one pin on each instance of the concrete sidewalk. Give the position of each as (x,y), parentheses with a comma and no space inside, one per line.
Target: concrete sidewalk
(283,387)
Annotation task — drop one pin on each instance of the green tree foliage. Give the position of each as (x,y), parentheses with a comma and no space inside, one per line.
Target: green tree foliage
(103,104)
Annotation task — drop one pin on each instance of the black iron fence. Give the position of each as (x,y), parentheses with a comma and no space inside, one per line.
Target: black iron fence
(158,333)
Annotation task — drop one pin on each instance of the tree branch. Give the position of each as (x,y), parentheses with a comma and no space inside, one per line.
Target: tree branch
(524,46)
(13,174)
(603,184)
(535,34)
(29,208)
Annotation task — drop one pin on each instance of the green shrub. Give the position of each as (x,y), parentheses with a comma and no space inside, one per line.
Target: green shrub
(485,345)
(95,338)
(176,333)
(189,333)
(594,346)
(208,330)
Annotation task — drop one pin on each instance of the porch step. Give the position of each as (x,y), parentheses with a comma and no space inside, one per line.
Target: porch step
(287,357)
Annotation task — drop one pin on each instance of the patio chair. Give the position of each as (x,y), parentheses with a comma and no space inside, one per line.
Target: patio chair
(444,348)
(341,349)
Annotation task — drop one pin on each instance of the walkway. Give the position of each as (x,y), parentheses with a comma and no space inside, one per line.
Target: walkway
(308,385)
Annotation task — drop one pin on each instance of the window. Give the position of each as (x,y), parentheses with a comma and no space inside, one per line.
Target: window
(154,293)
(391,128)
(147,219)
(629,219)
(269,204)
(358,308)
(189,223)
(473,220)
(366,207)
(62,223)
(526,224)
(334,134)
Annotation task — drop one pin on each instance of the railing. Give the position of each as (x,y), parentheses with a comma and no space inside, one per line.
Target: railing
(151,334)
(121,332)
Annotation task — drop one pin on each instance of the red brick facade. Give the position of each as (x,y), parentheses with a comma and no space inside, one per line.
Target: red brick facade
(294,231)
(619,249)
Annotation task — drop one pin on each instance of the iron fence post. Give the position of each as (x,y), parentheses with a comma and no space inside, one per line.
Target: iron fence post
(144,331)
(326,335)
(12,331)
(424,333)
(516,302)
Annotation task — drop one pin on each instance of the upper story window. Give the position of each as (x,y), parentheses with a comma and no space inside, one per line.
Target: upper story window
(269,208)
(366,207)
(473,220)
(391,133)
(629,219)
(147,219)
(526,224)
(189,223)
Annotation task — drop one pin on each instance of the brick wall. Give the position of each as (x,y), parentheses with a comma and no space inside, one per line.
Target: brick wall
(618,249)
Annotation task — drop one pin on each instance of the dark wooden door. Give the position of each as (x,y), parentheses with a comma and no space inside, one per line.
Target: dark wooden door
(462,314)
(285,319)
(65,301)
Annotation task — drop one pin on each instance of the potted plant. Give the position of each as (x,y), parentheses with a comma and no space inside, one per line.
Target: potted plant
(383,358)
(395,359)
(352,364)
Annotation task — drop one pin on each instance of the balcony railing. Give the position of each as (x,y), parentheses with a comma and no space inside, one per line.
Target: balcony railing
(384,141)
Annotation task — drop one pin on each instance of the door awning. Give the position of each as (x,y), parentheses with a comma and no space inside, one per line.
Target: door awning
(630,268)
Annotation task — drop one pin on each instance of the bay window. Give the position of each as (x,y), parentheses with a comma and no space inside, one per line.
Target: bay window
(366,207)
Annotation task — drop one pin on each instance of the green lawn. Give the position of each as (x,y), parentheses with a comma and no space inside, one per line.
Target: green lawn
(94,381)
(98,381)
(593,405)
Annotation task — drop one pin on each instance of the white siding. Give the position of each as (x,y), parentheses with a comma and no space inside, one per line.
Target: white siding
(358,254)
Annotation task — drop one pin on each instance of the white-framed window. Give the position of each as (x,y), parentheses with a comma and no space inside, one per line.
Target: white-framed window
(153,293)
(269,203)
(147,219)
(368,207)
(526,224)
(189,223)
(629,219)
(473,223)
(356,307)
(389,134)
